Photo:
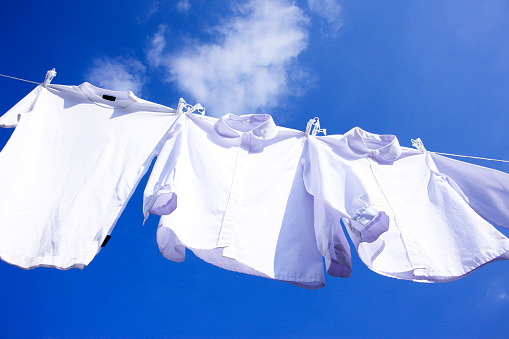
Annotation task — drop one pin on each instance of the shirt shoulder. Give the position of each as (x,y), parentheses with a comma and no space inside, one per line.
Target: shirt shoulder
(25,105)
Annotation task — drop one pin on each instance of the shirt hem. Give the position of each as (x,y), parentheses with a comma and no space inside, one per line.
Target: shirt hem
(443,277)
(308,283)
(28,262)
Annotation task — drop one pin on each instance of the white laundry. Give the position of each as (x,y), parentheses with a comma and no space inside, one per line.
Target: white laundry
(232,190)
(69,168)
(239,191)
(434,234)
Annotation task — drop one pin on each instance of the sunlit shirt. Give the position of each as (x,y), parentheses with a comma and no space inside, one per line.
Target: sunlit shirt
(69,169)
(232,190)
(436,206)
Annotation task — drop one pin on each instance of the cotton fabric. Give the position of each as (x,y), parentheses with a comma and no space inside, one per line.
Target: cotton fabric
(436,206)
(233,191)
(69,169)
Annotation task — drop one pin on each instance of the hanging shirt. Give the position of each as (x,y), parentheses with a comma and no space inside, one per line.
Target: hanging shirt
(485,189)
(232,190)
(69,168)
(437,232)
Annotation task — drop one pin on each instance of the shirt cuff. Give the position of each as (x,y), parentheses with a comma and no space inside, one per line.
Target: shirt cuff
(339,269)
(162,202)
(368,224)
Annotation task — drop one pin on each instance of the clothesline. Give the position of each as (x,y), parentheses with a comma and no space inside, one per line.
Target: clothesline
(467,156)
(7,76)
(417,143)
(449,154)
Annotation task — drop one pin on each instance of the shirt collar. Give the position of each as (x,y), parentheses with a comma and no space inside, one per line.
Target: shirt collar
(99,96)
(385,147)
(260,125)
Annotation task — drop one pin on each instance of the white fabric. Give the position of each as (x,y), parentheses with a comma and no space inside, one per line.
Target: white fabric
(434,234)
(485,189)
(232,190)
(69,169)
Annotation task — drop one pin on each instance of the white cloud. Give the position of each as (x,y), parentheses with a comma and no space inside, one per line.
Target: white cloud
(183,5)
(120,74)
(330,10)
(151,9)
(496,291)
(503,296)
(249,65)
(157,45)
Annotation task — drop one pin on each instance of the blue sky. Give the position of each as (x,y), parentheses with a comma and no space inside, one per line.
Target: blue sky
(438,70)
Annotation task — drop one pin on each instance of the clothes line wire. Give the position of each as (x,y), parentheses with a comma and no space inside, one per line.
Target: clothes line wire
(467,156)
(417,143)
(453,155)
(33,82)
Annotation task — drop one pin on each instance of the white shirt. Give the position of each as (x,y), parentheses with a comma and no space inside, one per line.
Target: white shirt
(69,169)
(485,189)
(232,190)
(435,234)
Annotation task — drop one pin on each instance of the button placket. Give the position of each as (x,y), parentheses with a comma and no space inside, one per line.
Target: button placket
(231,216)
(413,254)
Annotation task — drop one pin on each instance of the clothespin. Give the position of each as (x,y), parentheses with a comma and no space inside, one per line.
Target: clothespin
(317,129)
(309,126)
(181,105)
(188,108)
(417,143)
(313,127)
(49,76)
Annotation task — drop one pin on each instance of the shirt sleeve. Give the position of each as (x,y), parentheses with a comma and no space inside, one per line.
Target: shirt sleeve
(11,117)
(331,240)
(339,195)
(329,177)
(486,190)
(160,196)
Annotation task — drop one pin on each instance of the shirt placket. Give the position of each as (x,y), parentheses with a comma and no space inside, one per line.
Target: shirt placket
(231,219)
(413,253)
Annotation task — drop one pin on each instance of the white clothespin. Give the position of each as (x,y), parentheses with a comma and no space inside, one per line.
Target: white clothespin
(181,105)
(317,129)
(185,108)
(313,127)
(49,76)
(309,126)
(417,143)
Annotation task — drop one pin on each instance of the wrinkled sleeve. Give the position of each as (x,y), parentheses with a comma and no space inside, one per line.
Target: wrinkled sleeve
(331,240)
(486,190)
(338,195)
(11,117)
(330,178)
(160,195)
